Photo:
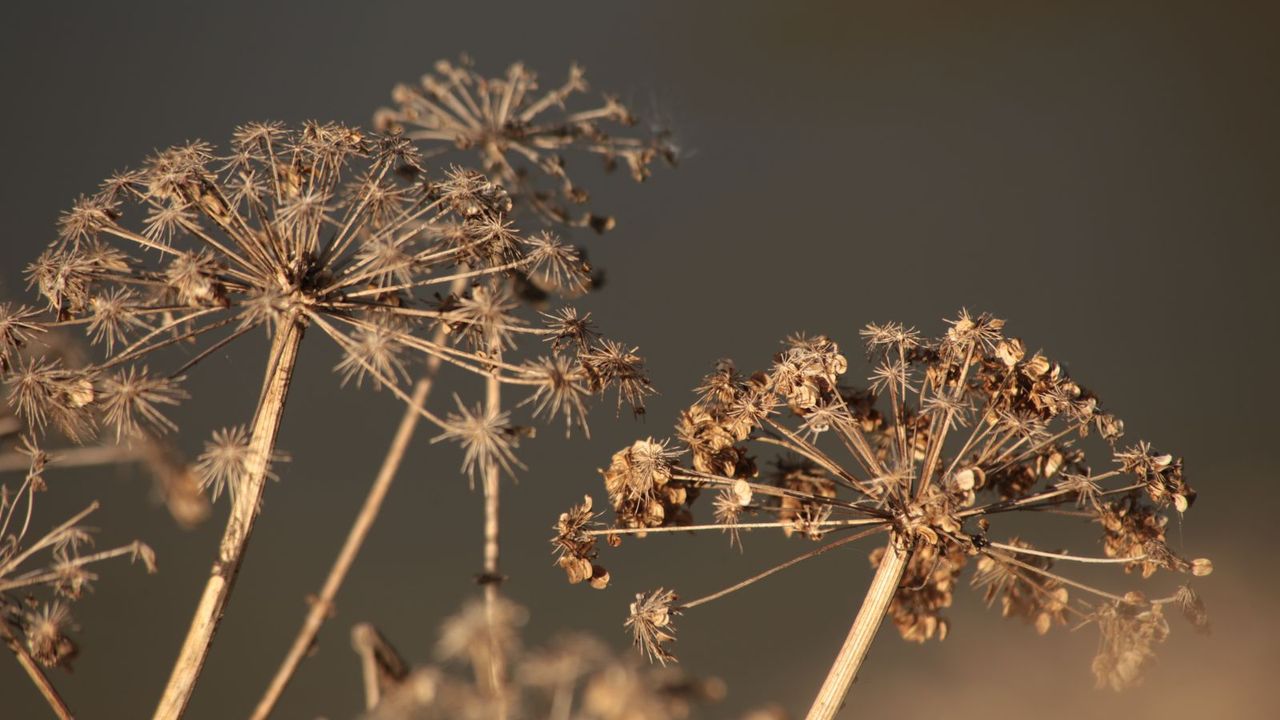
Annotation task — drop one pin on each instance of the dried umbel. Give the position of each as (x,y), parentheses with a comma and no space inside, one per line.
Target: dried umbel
(323,227)
(522,133)
(951,436)
(313,227)
(574,676)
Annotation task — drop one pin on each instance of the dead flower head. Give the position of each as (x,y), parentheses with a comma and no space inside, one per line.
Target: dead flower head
(325,227)
(652,623)
(524,134)
(950,435)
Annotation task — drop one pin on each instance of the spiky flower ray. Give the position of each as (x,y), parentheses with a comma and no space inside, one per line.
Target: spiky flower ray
(972,427)
(522,132)
(323,227)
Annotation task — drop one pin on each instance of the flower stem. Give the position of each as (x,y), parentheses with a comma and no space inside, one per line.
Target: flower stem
(845,668)
(322,607)
(244,510)
(492,576)
(37,675)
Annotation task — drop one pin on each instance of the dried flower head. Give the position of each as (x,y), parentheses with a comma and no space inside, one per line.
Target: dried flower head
(487,439)
(18,325)
(970,427)
(323,226)
(522,132)
(652,623)
(47,632)
(575,546)
(227,459)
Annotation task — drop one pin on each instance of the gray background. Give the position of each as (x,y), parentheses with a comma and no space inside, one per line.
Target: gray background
(1104,175)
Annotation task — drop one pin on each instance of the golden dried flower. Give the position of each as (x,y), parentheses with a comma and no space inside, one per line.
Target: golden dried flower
(323,226)
(46,632)
(18,325)
(575,546)
(520,132)
(973,427)
(652,623)
(636,481)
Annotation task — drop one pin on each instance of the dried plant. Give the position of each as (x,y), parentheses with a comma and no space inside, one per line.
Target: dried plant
(522,131)
(502,137)
(323,226)
(59,564)
(174,478)
(575,676)
(972,428)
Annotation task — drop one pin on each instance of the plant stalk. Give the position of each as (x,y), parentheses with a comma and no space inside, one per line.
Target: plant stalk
(244,510)
(322,606)
(492,576)
(37,675)
(874,606)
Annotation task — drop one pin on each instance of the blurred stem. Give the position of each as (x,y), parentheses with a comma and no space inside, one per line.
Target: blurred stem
(244,510)
(492,576)
(381,667)
(37,675)
(874,606)
(74,457)
(322,607)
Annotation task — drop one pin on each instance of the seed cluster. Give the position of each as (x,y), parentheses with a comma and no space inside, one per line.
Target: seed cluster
(950,435)
(325,226)
(521,133)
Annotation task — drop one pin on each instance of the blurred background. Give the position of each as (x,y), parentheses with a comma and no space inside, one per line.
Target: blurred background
(1103,175)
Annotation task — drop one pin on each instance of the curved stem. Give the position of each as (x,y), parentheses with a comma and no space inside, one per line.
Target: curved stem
(235,539)
(861,633)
